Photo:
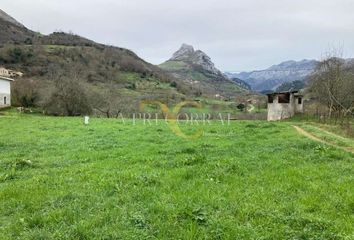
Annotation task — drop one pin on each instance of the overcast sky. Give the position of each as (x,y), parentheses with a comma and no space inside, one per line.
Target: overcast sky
(236,34)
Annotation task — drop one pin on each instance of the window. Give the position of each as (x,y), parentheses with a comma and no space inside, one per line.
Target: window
(284,98)
(4,100)
(299,100)
(270,99)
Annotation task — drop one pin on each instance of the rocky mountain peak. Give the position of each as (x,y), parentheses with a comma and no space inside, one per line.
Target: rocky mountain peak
(200,58)
(183,53)
(197,57)
(4,16)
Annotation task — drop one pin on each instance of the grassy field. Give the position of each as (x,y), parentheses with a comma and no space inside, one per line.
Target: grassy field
(60,179)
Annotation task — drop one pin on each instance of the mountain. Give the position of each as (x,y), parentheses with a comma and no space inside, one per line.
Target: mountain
(242,83)
(276,75)
(196,68)
(13,31)
(187,54)
(100,68)
(291,86)
(45,59)
(5,17)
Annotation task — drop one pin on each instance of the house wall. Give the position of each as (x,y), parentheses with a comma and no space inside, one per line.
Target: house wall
(299,108)
(278,111)
(5,91)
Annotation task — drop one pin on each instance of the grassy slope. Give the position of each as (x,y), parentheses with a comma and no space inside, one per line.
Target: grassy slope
(100,68)
(112,180)
(208,82)
(183,70)
(173,65)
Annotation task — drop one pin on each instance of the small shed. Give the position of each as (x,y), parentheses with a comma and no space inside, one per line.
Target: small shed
(283,105)
(5,92)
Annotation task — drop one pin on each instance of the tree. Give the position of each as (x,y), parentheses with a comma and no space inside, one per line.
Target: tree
(173,84)
(332,85)
(108,101)
(241,107)
(25,93)
(69,96)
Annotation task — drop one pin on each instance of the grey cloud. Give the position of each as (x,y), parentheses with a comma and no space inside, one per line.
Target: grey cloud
(237,34)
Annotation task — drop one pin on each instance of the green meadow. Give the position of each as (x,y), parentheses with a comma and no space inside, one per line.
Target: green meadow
(60,179)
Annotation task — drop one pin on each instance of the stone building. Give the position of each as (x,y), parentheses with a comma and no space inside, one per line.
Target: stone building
(283,105)
(9,73)
(5,92)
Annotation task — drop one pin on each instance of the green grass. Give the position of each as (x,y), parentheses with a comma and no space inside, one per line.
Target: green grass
(60,179)
(173,65)
(328,136)
(146,83)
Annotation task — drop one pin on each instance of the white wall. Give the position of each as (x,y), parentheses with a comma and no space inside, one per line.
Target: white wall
(5,86)
(5,92)
(299,108)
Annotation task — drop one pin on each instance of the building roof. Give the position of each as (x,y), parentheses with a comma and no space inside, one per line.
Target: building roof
(275,93)
(6,79)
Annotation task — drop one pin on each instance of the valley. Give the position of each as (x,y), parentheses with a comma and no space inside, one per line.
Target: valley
(98,142)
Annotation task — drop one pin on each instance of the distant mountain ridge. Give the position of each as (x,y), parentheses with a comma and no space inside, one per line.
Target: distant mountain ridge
(276,75)
(242,83)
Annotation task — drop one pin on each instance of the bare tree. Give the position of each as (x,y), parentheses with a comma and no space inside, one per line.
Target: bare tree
(69,96)
(106,101)
(332,85)
(110,102)
(25,93)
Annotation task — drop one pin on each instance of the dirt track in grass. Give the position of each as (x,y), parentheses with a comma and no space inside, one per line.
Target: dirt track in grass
(314,138)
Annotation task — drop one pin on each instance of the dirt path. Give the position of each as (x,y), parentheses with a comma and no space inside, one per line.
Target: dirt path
(329,133)
(313,137)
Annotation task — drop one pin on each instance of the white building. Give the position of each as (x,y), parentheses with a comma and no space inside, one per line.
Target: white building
(5,92)
(284,105)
